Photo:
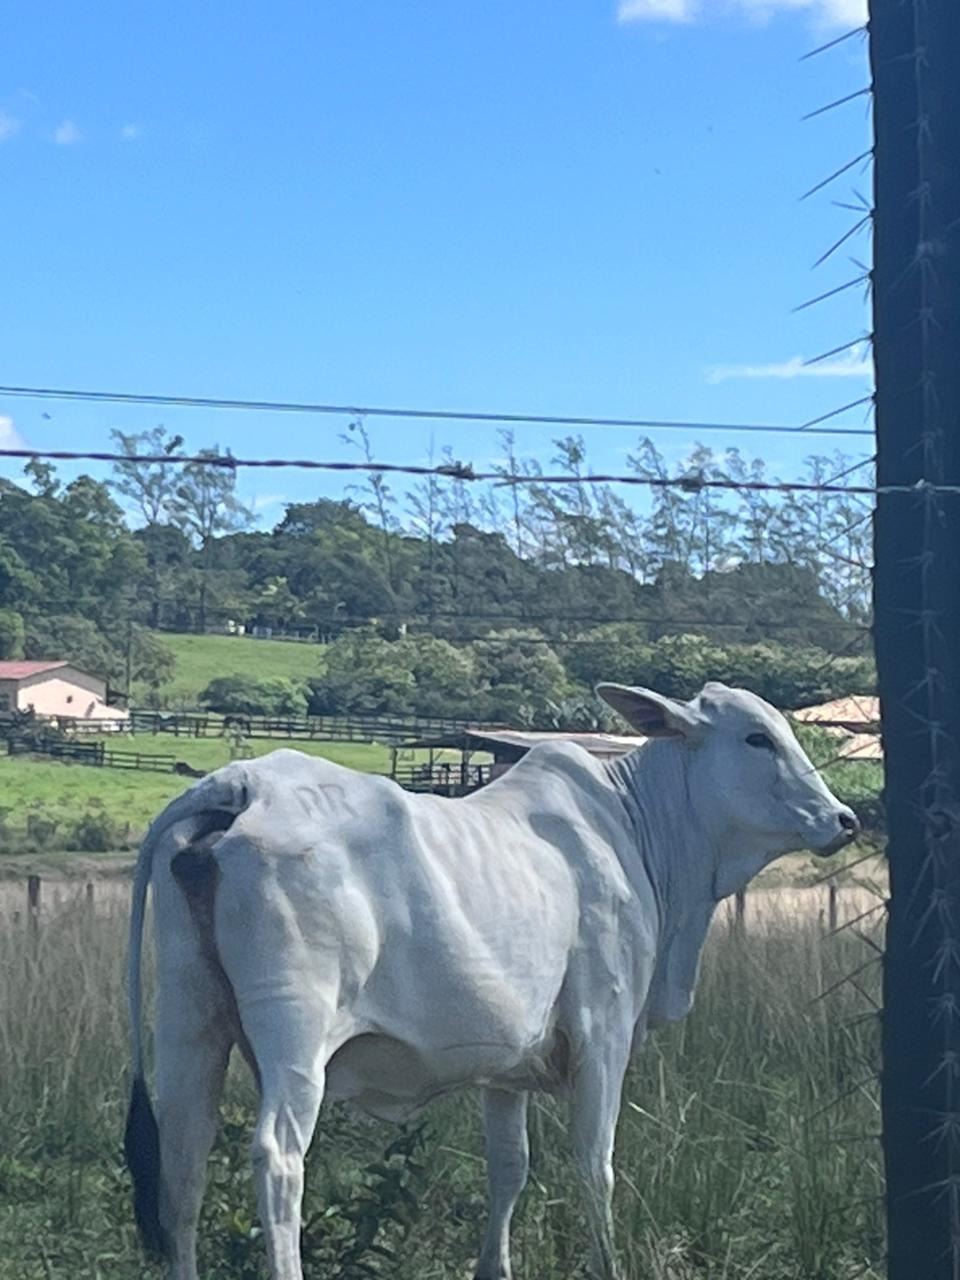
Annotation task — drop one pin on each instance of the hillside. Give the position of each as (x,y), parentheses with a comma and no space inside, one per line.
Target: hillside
(201,659)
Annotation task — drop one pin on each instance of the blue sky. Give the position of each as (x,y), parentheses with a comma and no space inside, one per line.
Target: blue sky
(515,205)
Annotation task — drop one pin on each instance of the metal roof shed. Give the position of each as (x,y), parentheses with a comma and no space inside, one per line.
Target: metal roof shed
(506,746)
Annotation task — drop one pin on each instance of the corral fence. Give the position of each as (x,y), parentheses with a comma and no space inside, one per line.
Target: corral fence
(203,724)
(98,754)
(442,778)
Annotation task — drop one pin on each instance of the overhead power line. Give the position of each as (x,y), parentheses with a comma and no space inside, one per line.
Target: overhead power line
(451,415)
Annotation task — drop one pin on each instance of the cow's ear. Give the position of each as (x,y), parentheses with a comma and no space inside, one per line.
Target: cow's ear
(651,713)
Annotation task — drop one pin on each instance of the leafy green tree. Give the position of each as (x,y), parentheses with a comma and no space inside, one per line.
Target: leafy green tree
(73,639)
(275,601)
(151,662)
(377,497)
(12,634)
(525,663)
(617,652)
(445,680)
(204,504)
(365,675)
(148,487)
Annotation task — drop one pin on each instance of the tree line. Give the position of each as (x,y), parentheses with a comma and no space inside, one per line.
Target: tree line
(95,570)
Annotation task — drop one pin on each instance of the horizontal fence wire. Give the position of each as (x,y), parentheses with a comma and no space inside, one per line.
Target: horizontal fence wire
(691,483)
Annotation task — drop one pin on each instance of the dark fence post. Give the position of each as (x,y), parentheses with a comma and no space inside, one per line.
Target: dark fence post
(33,905)
(832,912)
(915,54)
(740,909)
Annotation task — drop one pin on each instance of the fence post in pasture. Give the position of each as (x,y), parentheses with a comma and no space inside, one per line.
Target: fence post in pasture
(33,904)
(88,896)
(832,905)
(740,910)
(915,52)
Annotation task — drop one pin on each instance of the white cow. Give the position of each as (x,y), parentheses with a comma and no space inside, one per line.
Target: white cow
(361,943)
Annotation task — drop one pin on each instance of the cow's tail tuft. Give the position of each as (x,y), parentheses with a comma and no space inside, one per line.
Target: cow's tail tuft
(141,1145)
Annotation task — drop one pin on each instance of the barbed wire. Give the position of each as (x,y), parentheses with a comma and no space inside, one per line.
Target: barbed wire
(692,482)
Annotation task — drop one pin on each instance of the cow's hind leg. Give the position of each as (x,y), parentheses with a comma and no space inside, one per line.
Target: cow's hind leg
(508,1161)
(190,1072)
(288,1043)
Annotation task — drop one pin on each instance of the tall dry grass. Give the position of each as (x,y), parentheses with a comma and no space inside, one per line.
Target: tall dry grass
(746,1145)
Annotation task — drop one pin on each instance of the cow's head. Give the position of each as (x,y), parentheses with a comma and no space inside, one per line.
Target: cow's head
(753,785)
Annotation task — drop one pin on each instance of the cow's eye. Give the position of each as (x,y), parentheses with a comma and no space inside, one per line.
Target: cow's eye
(761,740)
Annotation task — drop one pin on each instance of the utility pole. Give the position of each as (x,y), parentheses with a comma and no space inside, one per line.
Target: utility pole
(915,56)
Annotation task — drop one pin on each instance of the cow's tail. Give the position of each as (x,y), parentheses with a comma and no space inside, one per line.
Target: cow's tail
(211,805)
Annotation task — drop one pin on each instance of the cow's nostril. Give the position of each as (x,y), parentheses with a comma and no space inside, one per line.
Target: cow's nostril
(849,822)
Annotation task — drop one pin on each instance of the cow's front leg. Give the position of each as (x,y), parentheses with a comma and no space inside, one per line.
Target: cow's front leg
(508,1160)
(594,1108)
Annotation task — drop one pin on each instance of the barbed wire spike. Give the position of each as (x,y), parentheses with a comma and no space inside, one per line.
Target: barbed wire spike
(838,351)
(838,102)
(832,293)
(825,417)
(848,235)
(838,173)
(832,44)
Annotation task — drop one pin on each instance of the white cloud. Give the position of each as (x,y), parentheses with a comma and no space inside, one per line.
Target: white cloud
(825,13)
(9,126)
(67,134)
(657,10)
(850,366)
(263,501)
(10,437)
(131,132)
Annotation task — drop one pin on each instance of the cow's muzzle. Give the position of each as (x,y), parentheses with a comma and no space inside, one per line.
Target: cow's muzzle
(849,825)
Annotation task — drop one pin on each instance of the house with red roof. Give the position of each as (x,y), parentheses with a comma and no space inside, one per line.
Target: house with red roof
(56,690)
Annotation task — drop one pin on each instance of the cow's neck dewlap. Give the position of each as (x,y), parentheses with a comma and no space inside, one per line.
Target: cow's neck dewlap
(676,852)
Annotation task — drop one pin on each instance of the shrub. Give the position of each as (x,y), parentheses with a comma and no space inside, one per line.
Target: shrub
(365,675)
(269,696)
(95,833)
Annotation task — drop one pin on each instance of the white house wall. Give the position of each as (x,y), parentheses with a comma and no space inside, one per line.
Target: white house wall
(57,696)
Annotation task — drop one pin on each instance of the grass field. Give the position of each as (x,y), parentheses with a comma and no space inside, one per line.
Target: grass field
(744,1152)
(201,659)
(38,792)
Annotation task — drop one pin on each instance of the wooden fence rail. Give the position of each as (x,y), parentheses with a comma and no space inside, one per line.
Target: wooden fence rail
(201,724)
(97,754)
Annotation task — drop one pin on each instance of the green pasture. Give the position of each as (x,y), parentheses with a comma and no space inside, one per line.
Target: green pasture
(42,801)
(201,659)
